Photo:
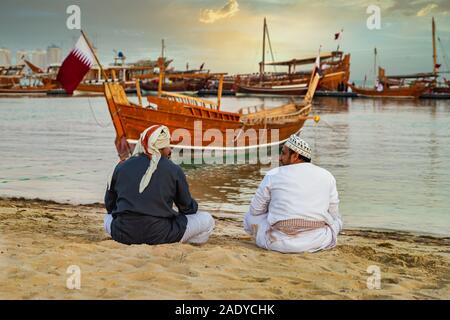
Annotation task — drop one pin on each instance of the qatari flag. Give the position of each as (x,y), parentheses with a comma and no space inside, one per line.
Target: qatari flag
(79,61)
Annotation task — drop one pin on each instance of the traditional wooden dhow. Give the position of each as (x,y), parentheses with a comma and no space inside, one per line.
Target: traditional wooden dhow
(334,67)
(11,76)
(405,86)
(195,116)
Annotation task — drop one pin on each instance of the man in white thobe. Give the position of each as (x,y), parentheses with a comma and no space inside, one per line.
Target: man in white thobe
(295,208)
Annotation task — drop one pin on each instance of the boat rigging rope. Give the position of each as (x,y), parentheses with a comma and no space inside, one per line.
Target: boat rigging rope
(95,118)
(316,125)
(444,57)
(328,124)
(270,46)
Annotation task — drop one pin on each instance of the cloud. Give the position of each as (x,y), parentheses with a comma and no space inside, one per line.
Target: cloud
(420,8)
(228,10)
(426,10)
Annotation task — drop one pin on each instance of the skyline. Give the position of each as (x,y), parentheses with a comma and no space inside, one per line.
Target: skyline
(227,34)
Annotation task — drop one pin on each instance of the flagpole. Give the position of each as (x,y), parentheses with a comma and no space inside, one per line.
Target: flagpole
(96,59)
(314,68)
(375,67)
(95,56)
(106,86)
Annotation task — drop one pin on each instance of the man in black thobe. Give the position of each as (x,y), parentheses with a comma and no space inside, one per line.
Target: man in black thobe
(142,193)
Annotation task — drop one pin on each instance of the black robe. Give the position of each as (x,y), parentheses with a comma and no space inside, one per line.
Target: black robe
(148,217)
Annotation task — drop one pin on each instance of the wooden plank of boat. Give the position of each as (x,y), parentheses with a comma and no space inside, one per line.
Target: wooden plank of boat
(337,94)
(436,95)
(33,91)
(97,88)
(213,92)
(191,85)
(288,90)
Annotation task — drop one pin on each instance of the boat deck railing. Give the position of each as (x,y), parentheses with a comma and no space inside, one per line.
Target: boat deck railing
(252,109)
(200,107)
(191,101)
(283,116)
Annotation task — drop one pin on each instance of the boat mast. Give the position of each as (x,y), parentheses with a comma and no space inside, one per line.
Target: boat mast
(375,66)
(161,65)
(219,92)
(122,145)
(435,70)
(262,64)
(162,70)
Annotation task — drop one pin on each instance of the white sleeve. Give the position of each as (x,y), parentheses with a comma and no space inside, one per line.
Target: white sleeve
(261,199)
(333,209)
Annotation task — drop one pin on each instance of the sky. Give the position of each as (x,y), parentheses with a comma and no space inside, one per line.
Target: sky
(227,34)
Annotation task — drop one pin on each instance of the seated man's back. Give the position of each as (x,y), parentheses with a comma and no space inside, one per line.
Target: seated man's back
(142,192)
(295,208)
(301,191)
(136,214)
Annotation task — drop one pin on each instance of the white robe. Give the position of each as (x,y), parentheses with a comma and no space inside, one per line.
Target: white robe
(298,191)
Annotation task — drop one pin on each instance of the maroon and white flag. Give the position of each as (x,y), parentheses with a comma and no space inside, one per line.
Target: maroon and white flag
(338,34)
(79,61)
(317,67)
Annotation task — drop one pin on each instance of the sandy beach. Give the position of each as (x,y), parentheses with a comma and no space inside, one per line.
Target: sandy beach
(39,240)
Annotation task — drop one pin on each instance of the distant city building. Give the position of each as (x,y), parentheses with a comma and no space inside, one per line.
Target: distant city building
(22,55)
(54,55)
(39,57)
(5,57)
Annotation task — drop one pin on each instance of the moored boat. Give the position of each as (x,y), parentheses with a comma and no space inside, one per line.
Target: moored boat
(334,67)
(38,83)
(11,76)
(410,86)
(194,115)
(412,92)
(179,85)
(440,90)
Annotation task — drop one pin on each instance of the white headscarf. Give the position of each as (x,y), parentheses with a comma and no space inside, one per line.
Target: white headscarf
(151,140)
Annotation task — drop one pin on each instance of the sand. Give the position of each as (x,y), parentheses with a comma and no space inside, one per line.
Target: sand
(39,240)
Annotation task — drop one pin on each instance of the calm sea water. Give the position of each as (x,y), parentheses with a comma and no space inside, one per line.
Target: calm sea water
(391,158)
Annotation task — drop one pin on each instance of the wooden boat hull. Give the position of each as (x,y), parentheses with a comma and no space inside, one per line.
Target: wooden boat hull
(441,90)
(26,91)
(412,92)
(334,78)
(286,90)
(179,86)
(135,120)
(298,87)
(437,93)
(199,124)
(7,85)
(195,126)
(98,88)
(206,92)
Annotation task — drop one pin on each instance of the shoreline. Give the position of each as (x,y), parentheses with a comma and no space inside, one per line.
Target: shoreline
(215,214)
(40,240)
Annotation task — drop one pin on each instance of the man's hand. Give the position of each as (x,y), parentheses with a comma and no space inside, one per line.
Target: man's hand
(254,231)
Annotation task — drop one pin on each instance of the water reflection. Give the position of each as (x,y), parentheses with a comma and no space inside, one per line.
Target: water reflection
(225,188)
(391,158)
(331,105)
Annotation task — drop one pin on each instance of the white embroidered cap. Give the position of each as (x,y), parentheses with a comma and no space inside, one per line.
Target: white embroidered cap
(298,145)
